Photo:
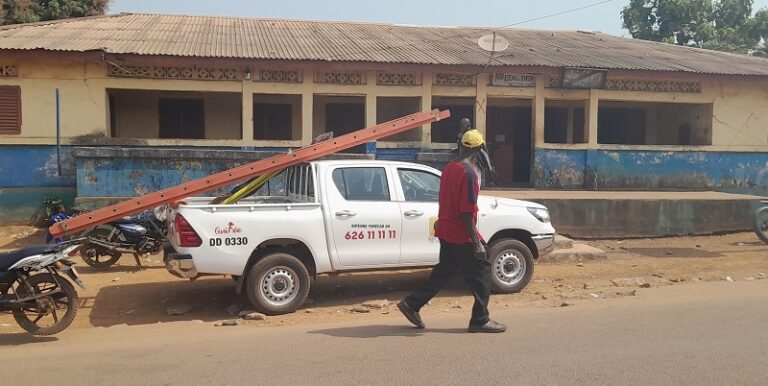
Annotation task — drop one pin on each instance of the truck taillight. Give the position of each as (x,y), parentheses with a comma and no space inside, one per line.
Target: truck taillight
(186,235)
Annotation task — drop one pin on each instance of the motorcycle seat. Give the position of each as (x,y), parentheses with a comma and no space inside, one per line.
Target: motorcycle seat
(126,220)
(7,259)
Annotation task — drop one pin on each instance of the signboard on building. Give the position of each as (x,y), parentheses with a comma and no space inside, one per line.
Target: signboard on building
(513,80)
(583,78)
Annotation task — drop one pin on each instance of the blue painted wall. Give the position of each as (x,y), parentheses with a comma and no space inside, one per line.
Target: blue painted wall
(35,166)
(626,169)
(561,169)
(130,172)
(28,174)
(397,154)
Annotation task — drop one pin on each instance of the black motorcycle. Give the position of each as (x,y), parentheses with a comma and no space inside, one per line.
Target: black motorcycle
(33,289)
(139,235)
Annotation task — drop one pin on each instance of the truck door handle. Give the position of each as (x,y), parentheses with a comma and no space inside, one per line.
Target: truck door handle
(345,214)
(413,213)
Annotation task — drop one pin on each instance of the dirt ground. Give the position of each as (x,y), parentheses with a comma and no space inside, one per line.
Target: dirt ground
(123,295)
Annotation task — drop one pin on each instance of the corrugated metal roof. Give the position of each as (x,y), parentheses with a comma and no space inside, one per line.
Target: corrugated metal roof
(227,37)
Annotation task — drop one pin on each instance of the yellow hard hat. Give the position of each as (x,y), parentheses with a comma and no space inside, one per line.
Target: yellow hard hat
(472,139)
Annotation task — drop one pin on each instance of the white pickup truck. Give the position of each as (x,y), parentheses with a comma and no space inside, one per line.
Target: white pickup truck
(341,216)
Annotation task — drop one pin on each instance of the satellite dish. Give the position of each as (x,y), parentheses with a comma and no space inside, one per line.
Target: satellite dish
(493,43)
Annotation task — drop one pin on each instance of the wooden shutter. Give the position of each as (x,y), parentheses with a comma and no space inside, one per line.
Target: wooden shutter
(10,110)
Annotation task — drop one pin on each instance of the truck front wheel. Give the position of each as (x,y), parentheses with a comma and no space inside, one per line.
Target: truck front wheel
(511,265)
(277,284)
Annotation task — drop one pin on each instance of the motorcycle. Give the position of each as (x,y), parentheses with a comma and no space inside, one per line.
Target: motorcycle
(139,235)
(33,289)
(761,221)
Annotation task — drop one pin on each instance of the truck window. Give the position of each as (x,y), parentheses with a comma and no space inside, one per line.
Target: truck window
(419,185)
(300,182)
(362,184)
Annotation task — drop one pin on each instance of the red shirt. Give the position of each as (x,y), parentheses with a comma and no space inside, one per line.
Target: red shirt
(459,187)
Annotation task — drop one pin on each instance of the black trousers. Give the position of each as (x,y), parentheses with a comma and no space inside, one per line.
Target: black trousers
(476,273)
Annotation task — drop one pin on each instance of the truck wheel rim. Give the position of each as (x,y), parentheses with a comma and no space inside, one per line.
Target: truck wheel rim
(509,267)
(279,286)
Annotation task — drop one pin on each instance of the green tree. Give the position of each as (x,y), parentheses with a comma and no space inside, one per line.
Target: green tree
(723,25)
(28,11)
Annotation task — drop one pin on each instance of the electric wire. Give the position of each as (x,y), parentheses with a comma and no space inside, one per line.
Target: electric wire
(445,38)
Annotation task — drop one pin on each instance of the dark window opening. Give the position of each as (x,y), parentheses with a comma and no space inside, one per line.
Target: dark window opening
(277,117)
(112,117)
(624,126)
(344,118)
(10,110)
(340,114)
(447,130)
(182,118)
(174,114)
(272,121)
(564,122)
(642,123)
(389,108)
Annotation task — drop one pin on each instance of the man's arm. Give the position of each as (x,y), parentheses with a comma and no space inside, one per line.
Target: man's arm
(467,219)
(468,200)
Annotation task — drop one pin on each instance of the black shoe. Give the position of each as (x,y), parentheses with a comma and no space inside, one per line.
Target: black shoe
(489,326)
(410,314)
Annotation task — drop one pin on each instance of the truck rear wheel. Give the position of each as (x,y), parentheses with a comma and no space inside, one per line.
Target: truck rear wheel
(277,284)
(511,265)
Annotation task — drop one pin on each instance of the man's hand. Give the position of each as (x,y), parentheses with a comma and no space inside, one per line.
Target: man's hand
(480,252)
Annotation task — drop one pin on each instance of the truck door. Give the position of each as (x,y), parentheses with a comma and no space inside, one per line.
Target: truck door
(365,220)
(418,196)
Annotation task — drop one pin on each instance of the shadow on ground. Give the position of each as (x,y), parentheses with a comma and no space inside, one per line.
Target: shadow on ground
(36,237)
(377,331)
(209,299)
(24,338)
(674,252)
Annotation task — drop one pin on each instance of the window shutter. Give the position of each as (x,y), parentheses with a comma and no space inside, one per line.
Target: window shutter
(10,110)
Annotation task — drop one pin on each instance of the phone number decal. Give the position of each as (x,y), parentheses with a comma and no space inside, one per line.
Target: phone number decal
(371,235)
(219,241)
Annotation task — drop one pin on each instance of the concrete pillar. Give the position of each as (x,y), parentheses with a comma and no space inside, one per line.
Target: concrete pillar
(591,118)
(370,109)
(538,112)
(307,110)
(247,112)
(481,103)
(426,105)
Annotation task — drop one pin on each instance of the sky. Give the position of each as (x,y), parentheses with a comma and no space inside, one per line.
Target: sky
(489,13)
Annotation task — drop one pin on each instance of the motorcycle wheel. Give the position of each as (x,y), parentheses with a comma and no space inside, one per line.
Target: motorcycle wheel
(49,314)
(96,256)
(761,223)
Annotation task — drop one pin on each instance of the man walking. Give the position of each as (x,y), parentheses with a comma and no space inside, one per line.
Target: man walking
(461,246)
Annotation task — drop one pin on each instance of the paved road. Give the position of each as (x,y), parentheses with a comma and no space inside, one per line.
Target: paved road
(706,333)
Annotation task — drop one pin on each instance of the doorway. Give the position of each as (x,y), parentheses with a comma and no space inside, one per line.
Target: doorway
(509,128)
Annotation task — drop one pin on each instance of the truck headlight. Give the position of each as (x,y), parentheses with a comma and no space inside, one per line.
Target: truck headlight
(542,214)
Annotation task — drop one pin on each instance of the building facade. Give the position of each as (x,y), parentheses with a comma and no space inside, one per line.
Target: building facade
(141,102)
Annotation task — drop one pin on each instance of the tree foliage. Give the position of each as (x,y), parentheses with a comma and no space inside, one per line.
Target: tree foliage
(28,11)
(723,25)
